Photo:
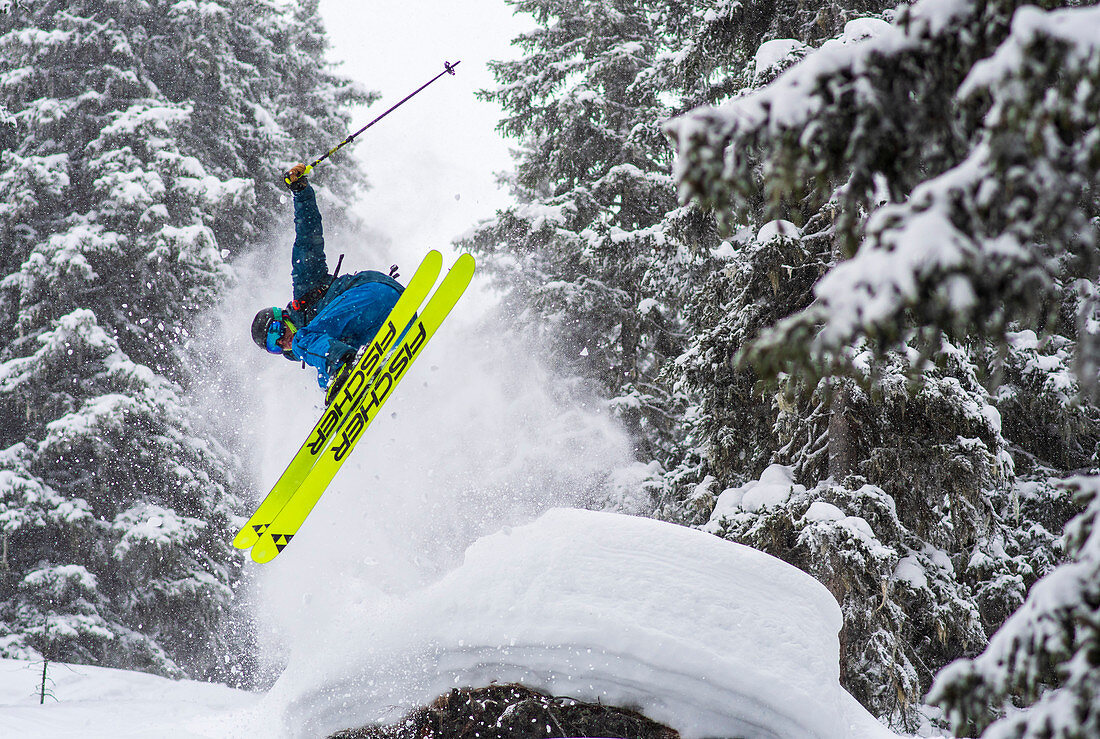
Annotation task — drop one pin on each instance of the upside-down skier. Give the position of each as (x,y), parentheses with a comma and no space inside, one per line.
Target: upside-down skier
(330,317)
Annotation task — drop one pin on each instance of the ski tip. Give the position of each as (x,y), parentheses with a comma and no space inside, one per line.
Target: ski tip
(429,266)
(245,538)
(465,264)
(269,547)
(264,551)
(250,534)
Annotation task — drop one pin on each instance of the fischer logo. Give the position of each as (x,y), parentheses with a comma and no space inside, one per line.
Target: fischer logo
(399,362)
(352,392)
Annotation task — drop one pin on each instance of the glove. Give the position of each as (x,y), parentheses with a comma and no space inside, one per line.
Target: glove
(342,372)
(339,376)
(295,178)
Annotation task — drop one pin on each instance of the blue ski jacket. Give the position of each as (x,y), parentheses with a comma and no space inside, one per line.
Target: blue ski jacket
(334,315)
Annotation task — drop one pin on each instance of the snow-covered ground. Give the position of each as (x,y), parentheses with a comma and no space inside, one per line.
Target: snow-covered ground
(707,636)
(99,703)
(710,637)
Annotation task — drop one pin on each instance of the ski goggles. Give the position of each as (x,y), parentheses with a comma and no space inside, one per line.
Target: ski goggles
(275,331)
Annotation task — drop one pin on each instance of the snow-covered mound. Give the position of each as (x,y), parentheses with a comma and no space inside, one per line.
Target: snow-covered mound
(706,636)
(101,703)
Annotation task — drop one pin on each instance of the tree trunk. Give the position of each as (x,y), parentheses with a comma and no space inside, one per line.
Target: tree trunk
(841,446)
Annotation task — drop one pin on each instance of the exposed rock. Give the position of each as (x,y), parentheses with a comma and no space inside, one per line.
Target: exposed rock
(513,712)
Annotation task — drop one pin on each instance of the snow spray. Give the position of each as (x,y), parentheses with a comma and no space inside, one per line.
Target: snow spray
(481,436)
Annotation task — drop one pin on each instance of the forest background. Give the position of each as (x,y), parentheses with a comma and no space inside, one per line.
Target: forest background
(849,248)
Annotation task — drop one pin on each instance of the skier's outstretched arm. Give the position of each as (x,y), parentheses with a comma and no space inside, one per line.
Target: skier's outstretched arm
(309,269)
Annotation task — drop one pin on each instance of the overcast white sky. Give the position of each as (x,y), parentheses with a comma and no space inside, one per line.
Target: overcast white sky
(431,162)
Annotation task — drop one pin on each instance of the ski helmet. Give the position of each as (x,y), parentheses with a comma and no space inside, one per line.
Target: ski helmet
(260,324)
(268,327)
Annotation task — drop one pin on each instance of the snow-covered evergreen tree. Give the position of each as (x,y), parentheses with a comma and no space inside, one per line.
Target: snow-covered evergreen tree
(149,138)
(931,149)
(596,255)
(1045,656)
(731,292)
(952,156)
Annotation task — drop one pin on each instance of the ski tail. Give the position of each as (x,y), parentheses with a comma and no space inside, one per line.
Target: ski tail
(334,417)
(362,401)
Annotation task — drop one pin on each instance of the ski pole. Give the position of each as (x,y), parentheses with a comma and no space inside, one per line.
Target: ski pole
(448,68)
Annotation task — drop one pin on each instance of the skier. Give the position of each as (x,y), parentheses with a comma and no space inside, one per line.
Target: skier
(331,317)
